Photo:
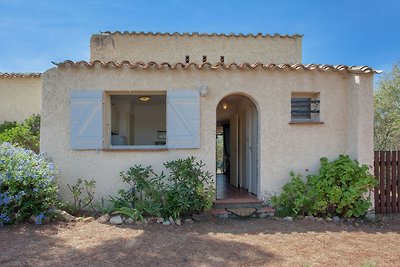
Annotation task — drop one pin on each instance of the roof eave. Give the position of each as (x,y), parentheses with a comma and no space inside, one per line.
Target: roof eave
(220,65)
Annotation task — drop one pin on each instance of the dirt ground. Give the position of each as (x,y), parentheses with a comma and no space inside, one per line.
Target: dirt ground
(249,242)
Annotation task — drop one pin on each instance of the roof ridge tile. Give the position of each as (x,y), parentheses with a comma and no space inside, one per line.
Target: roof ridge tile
(219,65)
(191,34)
(20,74)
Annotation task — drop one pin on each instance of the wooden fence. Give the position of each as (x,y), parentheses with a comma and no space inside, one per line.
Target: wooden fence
(387,171)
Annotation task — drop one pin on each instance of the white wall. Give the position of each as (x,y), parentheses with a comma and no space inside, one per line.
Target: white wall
(283,146)
(19,98)
(173,49)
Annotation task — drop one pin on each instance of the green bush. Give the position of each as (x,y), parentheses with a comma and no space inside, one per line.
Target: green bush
(184,191)
(190,190)
(26,134)
(28,185)
(7,125)
(339,188)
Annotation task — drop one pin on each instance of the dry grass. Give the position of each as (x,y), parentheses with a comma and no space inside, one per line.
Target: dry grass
(252,242)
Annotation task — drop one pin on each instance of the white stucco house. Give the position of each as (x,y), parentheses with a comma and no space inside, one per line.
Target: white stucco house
(147,98)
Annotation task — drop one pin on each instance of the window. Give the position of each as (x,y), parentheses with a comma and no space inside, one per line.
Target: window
(145,120)
(138,120)
(305,107)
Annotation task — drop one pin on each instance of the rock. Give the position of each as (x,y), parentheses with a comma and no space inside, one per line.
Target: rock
(160,220)
(263,215)
(166,222)
(357,224)
(310,218)
(116,220)
(288,219)
(178,221)
(320,220)
(129,221)
(32,219)
(65,216)
(189,221)
(196,217)
(351,220)
(151,219)
(103,218)
(171,220)
(335,219)
(144,222)
(88,219)
(203,217)
(276,218)
(370,217)
(329,219)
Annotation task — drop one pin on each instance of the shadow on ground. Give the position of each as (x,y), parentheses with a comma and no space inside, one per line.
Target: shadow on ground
(107,245)
(212,243)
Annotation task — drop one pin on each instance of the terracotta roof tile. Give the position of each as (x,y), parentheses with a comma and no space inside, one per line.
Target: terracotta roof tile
(20,75)
(203,34)
(207,65)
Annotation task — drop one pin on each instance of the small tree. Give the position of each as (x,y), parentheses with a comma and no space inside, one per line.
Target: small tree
(387,111)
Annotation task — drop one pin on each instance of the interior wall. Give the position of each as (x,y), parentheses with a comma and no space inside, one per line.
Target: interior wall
(123,107)
(148,120)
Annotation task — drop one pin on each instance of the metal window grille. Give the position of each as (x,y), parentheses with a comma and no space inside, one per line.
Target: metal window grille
(303,107)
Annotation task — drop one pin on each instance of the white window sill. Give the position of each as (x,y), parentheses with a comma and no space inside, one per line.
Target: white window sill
(306,122)
(136,148)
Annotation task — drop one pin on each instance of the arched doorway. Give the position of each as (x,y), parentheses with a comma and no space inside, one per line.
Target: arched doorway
(237,147)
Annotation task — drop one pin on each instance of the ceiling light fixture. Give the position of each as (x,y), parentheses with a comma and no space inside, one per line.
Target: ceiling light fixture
(144,98)
(225,106)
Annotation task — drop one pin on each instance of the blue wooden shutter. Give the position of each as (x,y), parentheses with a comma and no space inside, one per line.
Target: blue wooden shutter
(86,119)
(183,119)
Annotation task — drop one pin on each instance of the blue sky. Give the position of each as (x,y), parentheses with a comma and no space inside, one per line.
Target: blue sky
(34,33)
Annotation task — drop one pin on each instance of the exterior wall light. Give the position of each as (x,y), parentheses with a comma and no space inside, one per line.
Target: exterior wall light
(144,98)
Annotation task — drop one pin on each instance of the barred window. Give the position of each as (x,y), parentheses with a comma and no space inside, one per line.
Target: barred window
(304,108)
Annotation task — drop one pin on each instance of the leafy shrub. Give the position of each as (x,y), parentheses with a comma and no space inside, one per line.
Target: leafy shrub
(189,190)
(26,134)
(291,200)
(7,125)
(185,190)
(83,194)
(104,206)
(128,212)
(339,188)
(28,185)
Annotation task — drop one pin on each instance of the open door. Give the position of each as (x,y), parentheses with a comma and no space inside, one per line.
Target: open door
(237,118)
(253,151)
(247,153)
(234,145)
